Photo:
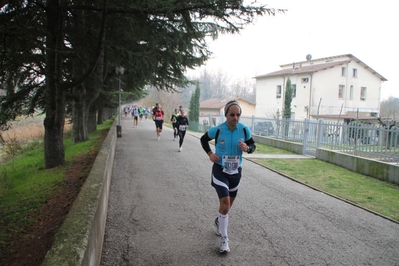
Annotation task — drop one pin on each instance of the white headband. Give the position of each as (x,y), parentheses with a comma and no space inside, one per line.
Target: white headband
(226,108)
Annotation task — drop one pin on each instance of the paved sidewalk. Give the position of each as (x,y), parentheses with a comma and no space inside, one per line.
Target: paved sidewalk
(162,206)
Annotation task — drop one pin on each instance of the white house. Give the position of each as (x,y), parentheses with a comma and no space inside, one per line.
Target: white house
(332,88)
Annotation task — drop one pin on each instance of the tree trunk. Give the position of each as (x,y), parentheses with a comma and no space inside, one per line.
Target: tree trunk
(54,153)
(87,93)
(92,119)
(80,115)
(100,116)
(109,112)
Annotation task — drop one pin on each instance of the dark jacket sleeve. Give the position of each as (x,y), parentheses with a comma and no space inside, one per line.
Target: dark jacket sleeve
(251,145)
(205,142)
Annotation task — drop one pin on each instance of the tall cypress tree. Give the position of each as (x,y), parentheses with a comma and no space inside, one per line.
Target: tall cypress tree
(195,105)
(287,99)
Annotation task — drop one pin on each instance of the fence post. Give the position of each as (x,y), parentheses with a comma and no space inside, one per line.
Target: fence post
(253,123)
(320,134)
(305,136)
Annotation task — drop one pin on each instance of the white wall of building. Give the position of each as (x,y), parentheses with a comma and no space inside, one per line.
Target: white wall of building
(266,102)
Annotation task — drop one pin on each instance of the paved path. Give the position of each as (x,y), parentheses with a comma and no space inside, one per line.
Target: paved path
(162,206)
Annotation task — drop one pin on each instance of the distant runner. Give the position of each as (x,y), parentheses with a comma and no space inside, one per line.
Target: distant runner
(182,125)
(157,116)
(173,119)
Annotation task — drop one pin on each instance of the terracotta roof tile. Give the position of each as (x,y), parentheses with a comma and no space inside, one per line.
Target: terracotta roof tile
(214,103)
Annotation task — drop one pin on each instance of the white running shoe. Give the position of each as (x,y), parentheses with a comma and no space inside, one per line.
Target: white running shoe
(224,245)
(158,138)
(216,223)
(180,149)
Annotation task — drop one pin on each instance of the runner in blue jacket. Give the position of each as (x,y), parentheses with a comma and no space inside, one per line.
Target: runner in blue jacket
(232,138)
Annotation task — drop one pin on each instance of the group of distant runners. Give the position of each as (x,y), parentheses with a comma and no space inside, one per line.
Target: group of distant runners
(137,112)
(179,123)
(178,119)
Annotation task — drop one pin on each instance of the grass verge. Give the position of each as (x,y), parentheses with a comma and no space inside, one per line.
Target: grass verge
(25,186)
(367,192)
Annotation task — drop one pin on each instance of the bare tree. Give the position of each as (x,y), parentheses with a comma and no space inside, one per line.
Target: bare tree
(168,100)
(244,88)
(222,85)
(390,108)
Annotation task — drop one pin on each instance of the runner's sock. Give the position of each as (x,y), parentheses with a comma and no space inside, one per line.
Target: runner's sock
(223,223)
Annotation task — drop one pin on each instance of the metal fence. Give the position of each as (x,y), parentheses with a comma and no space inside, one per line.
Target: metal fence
(370,141)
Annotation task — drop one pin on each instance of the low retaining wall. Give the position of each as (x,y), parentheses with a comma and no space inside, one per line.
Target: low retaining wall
(79,239)
(278,143)
(379,170)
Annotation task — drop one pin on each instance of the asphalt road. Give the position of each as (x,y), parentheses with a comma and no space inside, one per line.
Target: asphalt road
(162,207)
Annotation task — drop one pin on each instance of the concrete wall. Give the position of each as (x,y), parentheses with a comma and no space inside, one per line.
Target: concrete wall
(278,143)
(379,170)
(79,239)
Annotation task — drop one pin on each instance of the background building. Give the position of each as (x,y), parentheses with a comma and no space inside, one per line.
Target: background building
(334,88)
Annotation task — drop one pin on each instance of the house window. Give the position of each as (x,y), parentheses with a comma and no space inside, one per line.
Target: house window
(305,80)
(293,86)
(363,93)
(343,71)
(355,73)
(278,91)
(351,92)
(341,91)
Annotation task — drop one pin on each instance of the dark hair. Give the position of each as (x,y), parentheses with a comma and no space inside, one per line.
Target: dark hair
(230,103)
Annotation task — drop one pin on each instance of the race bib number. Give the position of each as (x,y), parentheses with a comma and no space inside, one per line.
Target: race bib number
(230,164)
(158,118)
(182,128)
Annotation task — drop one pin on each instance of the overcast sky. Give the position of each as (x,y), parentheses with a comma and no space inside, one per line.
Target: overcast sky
(366,29)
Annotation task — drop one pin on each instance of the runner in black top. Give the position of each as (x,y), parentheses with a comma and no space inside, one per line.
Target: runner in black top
(173,119)
(182,125)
